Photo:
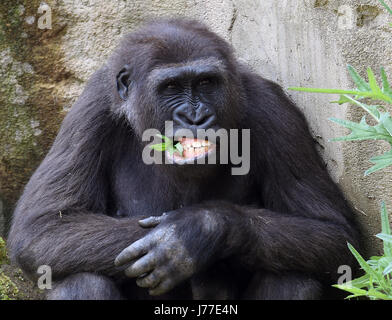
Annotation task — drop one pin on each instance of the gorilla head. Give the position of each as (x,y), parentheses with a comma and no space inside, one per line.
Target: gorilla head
(179,73)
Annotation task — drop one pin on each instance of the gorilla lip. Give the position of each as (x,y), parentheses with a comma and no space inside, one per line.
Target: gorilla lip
(193,149)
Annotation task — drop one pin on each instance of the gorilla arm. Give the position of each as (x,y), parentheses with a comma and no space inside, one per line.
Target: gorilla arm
(306,222)
(60,219)
(188,240)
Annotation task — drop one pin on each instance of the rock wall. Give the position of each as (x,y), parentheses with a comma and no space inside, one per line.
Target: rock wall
(296,43)
(309,43)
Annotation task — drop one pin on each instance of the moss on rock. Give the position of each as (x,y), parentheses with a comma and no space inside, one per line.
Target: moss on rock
(31,109)
(13,284)
(8,289)
(3,252)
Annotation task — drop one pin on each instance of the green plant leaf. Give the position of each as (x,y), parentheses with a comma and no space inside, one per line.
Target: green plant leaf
(364,265)
(386,6)
(164,138)
(385,84)
(179,147)
(373,82)
(386,121)
(388,269)
(371,109)
(384,261)
(378,295)
(384,237)
(366,94)
(159,146)
(362,131)
(386,229)
(380,162)
(356,291)
(167,145)
(342,99)
(362,85)
(360,282)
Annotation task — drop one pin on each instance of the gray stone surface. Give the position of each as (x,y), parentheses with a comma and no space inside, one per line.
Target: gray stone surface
(296,43)
(309,43)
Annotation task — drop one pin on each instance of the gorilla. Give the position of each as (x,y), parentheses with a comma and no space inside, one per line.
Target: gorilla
(111,226)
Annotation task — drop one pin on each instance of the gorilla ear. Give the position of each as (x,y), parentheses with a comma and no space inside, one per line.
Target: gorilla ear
(123,82)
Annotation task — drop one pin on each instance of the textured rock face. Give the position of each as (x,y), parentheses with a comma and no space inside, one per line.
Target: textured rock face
(301,43)
(31,75)
(309,43)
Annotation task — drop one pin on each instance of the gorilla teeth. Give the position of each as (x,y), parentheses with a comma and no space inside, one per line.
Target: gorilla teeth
(194,143)
(193,148)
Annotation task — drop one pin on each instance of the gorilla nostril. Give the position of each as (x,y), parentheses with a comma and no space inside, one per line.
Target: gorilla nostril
(185,119)
(182,118)
(202,119)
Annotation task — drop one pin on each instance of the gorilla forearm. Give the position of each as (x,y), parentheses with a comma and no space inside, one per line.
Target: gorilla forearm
(280,242)
(269,240)
(74,242)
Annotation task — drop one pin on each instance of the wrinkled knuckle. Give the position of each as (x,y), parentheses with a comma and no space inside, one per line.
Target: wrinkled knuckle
(148,282)
(143,283)
(132,271)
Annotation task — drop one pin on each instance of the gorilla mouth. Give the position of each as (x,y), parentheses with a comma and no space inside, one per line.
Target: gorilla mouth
(192,149)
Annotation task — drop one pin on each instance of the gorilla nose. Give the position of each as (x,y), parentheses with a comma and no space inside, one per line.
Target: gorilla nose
(202,119)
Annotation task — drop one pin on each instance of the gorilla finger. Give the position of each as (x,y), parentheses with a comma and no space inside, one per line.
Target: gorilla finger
(144,265)
(149,281)
(150,221)
(163,287)
(135,250)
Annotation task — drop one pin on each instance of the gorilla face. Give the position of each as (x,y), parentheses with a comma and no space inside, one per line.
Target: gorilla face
(190,95)
(196,90)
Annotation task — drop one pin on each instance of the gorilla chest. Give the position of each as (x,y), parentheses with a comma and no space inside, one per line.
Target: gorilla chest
(141,192)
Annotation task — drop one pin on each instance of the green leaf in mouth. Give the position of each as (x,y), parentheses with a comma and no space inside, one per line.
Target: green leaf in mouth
(167,145)
(179,148)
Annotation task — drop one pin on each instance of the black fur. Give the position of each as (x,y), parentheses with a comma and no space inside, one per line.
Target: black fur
(278,232)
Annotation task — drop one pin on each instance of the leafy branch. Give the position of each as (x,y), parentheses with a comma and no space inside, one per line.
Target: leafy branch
(377,281)
(364,89)
(167,145)
(363,131)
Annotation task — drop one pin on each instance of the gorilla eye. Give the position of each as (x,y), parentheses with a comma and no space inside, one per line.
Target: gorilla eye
(171,85)
(205,82)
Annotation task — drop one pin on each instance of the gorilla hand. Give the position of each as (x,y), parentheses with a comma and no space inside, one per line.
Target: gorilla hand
(183,242)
